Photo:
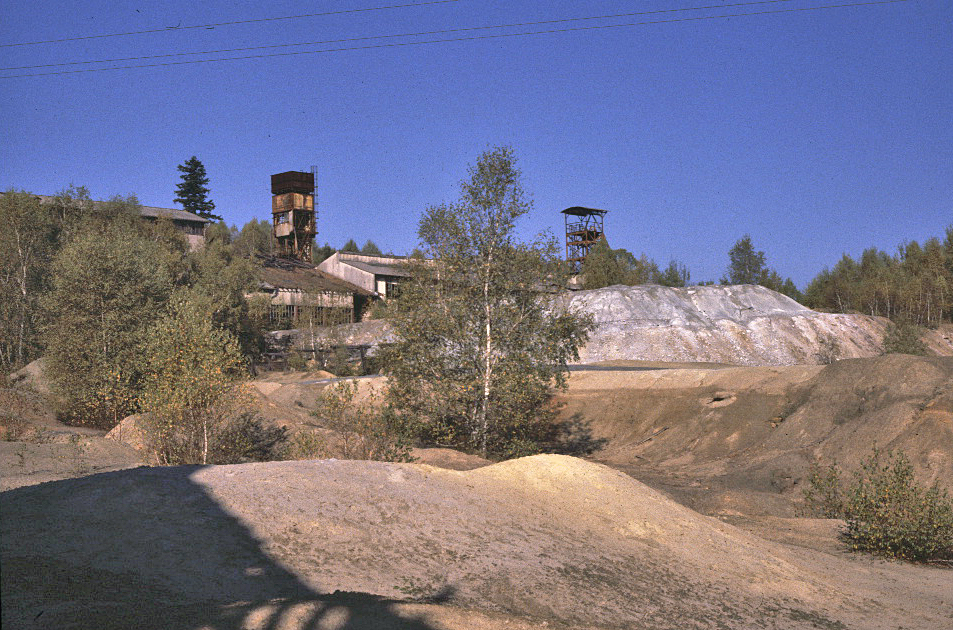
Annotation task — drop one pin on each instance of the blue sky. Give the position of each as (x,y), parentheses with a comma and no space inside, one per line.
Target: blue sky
(817,132)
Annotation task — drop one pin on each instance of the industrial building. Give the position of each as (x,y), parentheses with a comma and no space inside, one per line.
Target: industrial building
(190,225)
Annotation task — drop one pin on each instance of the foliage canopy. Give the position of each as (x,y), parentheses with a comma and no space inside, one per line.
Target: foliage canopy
(749,266)
(605,266)
(482,334)
(886,511)
(912,287)
(192,393)
(107,288)
(28,243)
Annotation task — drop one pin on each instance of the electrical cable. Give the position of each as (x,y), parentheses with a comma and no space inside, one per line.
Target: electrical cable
(172,29)
(418,34)
(459,39)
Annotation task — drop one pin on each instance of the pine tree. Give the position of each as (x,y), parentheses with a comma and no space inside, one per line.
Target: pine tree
(675,275)
(323,253)
(192,191)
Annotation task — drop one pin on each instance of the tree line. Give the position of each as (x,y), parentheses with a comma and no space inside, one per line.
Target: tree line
(605,266)
(257,237)
(129,319)
(912,286)
(84,283)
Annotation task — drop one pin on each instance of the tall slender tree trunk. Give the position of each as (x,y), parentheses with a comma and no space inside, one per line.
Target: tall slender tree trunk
(483,418)
(24,272)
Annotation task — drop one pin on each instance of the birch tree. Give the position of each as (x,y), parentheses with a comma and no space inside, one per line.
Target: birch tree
(27,246)
(482,338)
(107,288)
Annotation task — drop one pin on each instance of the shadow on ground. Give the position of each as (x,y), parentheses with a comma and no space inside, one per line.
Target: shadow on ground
(161,554)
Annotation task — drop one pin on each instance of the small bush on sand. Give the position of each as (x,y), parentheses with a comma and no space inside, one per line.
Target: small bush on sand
(247,438)
(904,338)
(306,445)
(823,495)
(885,510)
(363,429)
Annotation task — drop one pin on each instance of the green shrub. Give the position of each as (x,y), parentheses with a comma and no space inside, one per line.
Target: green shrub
(904,338)
(193,391)
(296,362)
(306,445)
(823,493)
(364,429)
(886,511)
(247,438)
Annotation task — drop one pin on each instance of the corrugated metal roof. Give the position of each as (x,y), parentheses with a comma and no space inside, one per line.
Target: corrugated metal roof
(287,274)
(379,270)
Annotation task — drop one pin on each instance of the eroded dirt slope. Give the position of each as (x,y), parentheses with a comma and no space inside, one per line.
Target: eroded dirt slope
(743,439)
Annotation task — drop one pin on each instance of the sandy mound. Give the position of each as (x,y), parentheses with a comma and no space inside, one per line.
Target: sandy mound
(448,458)
(546,538)
(939,341)
(131,431)
(31,375)
(743,438)
(745,325)
(37,448)
(288,398)
(66,457)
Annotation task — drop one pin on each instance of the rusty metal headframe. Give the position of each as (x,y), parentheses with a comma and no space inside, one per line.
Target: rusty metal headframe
(293,214)
(584,227)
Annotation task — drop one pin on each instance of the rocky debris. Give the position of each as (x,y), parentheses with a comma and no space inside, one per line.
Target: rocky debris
(548,538)
(742,325)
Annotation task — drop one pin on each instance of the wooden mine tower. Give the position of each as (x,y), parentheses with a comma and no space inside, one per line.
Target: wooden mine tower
(583,230)
(293,215)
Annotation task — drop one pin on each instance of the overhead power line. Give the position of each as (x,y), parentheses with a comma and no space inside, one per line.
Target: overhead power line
(172,29)
(460,39)
(417,34)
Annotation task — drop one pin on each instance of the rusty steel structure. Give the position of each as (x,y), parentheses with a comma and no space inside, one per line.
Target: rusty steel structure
(293,214)
(584,227)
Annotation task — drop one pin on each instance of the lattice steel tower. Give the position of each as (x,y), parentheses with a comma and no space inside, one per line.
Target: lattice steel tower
(583,230)
(292,213)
